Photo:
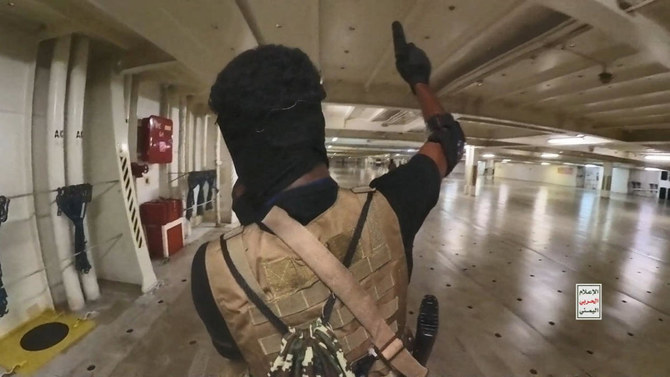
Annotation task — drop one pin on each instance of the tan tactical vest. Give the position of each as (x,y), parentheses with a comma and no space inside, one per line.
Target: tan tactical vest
(296,295)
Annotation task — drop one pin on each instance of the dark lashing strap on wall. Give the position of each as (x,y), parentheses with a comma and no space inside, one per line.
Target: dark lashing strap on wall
(199,179)
(72,201)
(4,211)
(211,182)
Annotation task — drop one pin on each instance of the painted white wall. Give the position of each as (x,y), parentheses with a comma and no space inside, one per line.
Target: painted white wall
(538,173)
(620,180)
(20,253)
(645,177)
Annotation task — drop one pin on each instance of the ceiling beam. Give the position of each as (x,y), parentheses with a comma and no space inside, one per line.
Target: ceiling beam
(393,96)
(250,19)
(414,137)
(625,102)
(647,136)
(63,17)
(643,126)
(569,69)
(662,108)
(633,121)
(145,59)
(591,90)
(556,35)
(636,30)
(177,35)
(375,135)
(481,34)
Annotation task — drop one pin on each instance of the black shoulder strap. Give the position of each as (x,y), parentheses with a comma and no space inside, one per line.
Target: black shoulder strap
(253,297)
(349,256)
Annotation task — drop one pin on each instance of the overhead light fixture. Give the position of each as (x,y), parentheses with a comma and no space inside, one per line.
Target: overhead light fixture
(577,140)
(488,155)
(567,141)
(545,163)
(657,157)
(506,160)
(590,166)
(335,139)
(549,155)
(652,169)
(330,146)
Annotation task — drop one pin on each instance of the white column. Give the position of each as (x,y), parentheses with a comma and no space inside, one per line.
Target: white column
(132,117)
(196,145)
(203,146)
(74,152)
(471,158)
(607,180)
(56,169)
(218,166)
(183,119)
(490,165)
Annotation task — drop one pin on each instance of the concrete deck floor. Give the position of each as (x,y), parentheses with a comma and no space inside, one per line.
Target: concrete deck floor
(504,266)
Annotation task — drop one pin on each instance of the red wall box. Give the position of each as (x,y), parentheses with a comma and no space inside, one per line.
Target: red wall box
(155,240)
(174,209)
(154,215)
(155,212)
(161,211)
(154,140)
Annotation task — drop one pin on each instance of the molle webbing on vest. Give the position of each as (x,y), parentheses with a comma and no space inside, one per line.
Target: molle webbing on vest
(296,295)
(318,293)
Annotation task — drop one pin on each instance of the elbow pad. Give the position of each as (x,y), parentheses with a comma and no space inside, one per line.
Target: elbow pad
(447,132)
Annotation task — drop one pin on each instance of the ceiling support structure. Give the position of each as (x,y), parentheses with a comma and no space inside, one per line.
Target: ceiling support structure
(633,76)
(249,18)
(635,30)
(558,34)
(562,70)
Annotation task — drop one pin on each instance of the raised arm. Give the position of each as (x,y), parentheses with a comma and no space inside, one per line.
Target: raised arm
(446,141)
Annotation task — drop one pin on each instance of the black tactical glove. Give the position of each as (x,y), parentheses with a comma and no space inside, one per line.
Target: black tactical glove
(411,62)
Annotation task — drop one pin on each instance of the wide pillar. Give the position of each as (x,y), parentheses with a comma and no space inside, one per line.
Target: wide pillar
(490,165)
(606,185)
(471,158)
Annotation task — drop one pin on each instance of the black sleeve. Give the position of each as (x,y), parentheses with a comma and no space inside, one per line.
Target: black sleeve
(412,191)
(208,310)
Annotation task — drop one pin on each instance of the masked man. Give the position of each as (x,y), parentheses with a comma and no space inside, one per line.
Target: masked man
(268,102)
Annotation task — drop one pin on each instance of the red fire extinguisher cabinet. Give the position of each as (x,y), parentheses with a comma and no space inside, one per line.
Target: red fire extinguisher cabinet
(154,140)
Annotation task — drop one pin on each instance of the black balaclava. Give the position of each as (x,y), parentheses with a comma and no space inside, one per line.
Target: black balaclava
(274,135)
(271,154)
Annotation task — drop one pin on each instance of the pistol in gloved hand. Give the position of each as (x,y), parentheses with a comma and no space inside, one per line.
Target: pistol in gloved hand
(411,61)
